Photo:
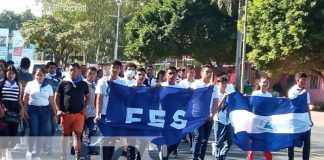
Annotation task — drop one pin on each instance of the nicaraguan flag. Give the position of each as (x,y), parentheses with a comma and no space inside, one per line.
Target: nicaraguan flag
(268,124)
(164,112)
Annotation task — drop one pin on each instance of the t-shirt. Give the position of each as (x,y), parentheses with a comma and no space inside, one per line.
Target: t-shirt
(103,88)
(129,82)
(53,80)
(202,84)
(72,97)
(222,115)
(186,84)
(38,95)
(261,94)
(295,91)
(166,84)
(91,108)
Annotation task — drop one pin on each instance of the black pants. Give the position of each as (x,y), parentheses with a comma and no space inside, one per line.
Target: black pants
(306,147)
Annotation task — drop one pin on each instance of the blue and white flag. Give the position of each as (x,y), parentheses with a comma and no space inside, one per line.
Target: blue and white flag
(268,124)
(164,112)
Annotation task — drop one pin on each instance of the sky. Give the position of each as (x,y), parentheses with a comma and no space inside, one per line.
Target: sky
(20,6)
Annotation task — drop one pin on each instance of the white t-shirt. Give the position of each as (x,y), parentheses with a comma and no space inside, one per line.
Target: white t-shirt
(102,88)
(166,84)
(91,108)
(38,96)
(186,84)
(261,94)
(129,82)
(202,84)
(221,116)
(296,91)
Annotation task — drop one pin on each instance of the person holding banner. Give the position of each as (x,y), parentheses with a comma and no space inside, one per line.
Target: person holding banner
(171,77)
(132,153)
(262,91)
(203,132)
(298,89)
(222,128)
(102,93)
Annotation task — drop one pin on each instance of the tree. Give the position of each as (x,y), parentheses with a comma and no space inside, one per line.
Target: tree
(13,21)
(286,36)
(168,28)
(55,37)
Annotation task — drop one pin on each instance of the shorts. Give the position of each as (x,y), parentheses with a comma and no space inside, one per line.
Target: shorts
(72,122)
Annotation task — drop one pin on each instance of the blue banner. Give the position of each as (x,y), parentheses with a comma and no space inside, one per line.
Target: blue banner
(268,124)
(164,112)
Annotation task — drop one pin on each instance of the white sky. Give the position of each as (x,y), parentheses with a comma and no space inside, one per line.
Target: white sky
(19,6)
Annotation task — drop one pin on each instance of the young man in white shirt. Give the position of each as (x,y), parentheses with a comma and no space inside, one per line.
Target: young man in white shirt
(298,89)
(91,75)
(102,92)
(203,132)
(190,80)
(129,74)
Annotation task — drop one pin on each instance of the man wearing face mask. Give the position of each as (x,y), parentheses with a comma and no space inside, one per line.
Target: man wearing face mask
(130,69)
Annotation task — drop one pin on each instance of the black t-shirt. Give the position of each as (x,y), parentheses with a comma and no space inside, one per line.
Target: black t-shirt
(72,98)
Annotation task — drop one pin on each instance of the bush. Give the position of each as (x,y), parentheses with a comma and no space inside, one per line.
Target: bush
(317,106)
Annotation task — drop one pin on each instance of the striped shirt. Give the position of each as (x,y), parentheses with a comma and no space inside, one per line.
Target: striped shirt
(10,92)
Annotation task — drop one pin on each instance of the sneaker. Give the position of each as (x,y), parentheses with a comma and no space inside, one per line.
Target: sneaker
(8,155)
(29,155)
(79,157)
(214,149)
(63,156)
(37,158)
(72,151)
(93,152)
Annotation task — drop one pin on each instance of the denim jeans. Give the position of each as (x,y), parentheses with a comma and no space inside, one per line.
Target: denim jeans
(39,124)
(201,137)
(224,133)
(306,147)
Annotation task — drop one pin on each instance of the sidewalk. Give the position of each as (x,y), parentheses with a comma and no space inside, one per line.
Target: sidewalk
(318,118)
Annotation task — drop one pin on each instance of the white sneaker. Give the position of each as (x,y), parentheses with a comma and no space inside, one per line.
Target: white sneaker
(8,155)
(37,158)
(29,155)
(214,149)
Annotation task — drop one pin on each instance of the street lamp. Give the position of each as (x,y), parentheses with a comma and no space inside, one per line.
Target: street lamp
(118,2)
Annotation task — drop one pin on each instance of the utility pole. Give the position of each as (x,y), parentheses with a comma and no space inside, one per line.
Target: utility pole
(239,49)
(244,46)
(117,29)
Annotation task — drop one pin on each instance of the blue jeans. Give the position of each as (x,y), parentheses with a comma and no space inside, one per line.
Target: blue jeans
(39,124)
(306,147)
(224,133)
(201,137)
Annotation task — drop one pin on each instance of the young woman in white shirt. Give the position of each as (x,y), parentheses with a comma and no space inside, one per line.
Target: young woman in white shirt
(262,91)
(39,107)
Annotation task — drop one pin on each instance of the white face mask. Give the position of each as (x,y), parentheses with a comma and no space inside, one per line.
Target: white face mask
(130,73)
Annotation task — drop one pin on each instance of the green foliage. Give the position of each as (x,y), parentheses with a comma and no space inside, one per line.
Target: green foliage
(168,28)
(13,21)
(286,36)
(55,37)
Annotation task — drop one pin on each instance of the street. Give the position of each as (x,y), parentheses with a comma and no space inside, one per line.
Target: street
(317,148)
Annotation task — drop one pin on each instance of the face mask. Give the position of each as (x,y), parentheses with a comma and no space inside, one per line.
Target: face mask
(130,73)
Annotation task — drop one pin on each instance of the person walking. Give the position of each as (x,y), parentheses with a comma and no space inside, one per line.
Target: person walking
(202,133)
(298,89)
(10,106)
(39,106)
(261,91)
(71,98)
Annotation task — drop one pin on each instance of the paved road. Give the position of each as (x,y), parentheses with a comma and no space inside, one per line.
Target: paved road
(317,148)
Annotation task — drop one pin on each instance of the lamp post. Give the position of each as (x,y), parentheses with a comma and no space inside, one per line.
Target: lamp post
(244,47)
(118,2)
